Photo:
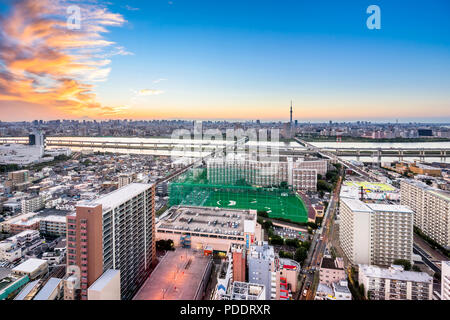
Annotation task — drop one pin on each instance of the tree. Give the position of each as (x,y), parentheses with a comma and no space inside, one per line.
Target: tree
(292,243)
(262,213)
(276,240)
(164,245)
(306,245)
(416,268)
(312,225)
(267,224)
(285,254)
(402,262)
(322,185)
(300,254)
(331,174)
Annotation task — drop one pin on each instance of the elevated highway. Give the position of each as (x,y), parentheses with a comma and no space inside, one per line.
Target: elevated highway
(347,164)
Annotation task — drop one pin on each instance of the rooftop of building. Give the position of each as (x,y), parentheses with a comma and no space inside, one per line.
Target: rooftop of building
(324,289)
(4,272)
(104,279)
(425,166)
(329,263)
(341,287)
(26,290)
(48,289)
(117,197)
(177,276)
(54,218)
(381,207)
(289,264)
(394,272)
(355,205)
(246,291)
(437,192)
(209,220)
(262,251)
(29,265)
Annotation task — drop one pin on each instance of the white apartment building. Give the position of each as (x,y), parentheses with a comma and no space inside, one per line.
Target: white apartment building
(53,225)
(299,174)
(16,246)
(10,251)
(375,233)
(445,280)
(431,207)
(394,283)
(32,204)
(320,165)
(304,179)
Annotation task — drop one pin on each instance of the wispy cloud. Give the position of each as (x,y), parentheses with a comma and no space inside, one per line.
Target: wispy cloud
(43,62)
(159,80)
(130,8)
(149,92)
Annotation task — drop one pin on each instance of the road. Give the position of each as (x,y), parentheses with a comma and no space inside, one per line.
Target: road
(319,244)
(361,172)
(425,258)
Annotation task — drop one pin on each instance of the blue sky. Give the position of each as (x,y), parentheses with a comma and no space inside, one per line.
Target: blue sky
(247,59)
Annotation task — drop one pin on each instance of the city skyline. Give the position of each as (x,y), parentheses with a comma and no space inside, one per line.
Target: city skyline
(235,61)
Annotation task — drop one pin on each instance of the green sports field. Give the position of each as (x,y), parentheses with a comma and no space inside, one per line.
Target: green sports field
(277,204)
(282,206)
(193,189)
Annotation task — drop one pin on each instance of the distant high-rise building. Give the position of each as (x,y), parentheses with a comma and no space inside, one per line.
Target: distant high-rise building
(36,139)
(20,176)
(125,179)
(290,121)
(116,231)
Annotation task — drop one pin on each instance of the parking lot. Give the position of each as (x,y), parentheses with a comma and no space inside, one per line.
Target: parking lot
(288,233)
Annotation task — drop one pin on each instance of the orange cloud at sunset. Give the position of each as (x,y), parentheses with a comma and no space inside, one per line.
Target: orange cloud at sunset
(48,65)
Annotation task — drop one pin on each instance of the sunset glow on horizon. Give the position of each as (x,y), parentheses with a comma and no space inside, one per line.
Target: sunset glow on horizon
(230,60)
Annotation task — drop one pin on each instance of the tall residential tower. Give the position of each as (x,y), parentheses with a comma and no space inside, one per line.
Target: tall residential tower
(116,231)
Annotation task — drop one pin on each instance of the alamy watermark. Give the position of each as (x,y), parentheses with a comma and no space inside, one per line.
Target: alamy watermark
(374,20)
(238,144)
(74,18)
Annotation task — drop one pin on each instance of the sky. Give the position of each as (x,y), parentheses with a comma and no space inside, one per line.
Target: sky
(225,60)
